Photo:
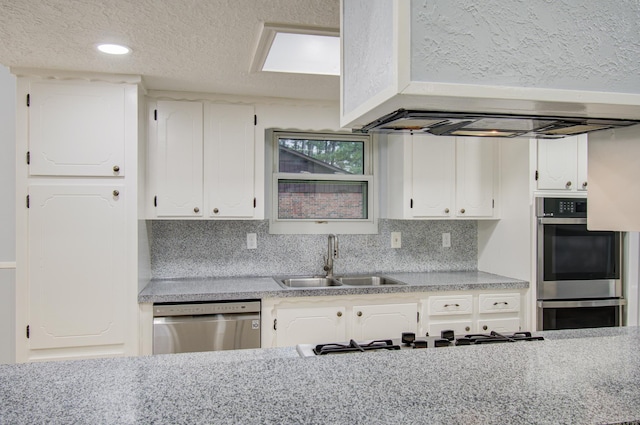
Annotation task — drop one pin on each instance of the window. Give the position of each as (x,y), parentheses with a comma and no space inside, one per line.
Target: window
(321,183)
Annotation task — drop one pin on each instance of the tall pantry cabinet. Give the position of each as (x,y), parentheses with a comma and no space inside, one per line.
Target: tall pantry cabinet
(77,182)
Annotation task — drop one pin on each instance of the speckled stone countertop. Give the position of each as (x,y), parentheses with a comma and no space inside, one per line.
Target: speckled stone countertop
(573,377)
(214,289)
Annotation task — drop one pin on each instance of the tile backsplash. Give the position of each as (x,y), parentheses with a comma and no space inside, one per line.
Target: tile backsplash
(219,249)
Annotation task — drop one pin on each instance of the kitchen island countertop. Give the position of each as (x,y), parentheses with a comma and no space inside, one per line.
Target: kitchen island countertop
(214,289)
(573,377)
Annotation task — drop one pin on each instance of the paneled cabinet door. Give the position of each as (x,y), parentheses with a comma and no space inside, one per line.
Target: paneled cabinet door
(384,321)
(77,259)
(229,160)
(557,164)
(499,325)
(76,129)
(179,159)
(475,162)
(459,327)
(433,176)
(310,325)
(582,162)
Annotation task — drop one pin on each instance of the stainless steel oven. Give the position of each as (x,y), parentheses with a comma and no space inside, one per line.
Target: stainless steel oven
(579,271)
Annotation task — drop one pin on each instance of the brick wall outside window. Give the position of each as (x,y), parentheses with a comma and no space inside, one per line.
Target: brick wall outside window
(297,205)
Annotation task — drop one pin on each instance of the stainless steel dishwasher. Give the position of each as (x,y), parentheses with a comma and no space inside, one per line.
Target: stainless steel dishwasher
(186,328)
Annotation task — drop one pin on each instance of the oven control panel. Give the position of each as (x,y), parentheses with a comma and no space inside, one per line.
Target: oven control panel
(562,207)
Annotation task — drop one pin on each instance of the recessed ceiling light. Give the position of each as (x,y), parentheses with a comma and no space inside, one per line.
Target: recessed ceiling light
(302,50)
(113,49)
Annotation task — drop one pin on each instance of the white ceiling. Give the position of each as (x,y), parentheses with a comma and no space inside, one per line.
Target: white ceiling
(185,45)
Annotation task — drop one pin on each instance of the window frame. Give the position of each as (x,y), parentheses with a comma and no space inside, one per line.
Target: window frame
(277,225)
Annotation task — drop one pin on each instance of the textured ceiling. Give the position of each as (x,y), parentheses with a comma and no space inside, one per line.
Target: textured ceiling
(186,45)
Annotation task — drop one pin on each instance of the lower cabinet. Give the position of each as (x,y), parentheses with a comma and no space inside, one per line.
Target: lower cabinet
(318,320)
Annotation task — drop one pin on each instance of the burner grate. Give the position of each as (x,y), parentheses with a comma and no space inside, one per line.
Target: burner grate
(353,346)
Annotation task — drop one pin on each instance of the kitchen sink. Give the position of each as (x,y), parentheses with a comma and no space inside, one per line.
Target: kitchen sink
(367,281)
(307,282)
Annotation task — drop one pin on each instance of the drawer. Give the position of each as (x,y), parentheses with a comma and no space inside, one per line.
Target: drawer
(448,305)
(499,303)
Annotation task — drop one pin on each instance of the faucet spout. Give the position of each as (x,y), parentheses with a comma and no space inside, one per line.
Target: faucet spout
(332,253)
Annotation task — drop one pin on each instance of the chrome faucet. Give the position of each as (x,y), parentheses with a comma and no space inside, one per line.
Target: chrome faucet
(332,253)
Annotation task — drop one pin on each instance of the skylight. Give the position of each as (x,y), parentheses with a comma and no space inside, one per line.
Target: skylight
(298,50)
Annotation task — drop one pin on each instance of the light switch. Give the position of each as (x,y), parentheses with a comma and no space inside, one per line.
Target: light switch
(446,240)
(396,239)
(252,241)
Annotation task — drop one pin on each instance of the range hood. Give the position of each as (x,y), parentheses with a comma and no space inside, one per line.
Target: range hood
(489,124)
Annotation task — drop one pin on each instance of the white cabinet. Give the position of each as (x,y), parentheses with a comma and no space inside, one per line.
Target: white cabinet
(76,129)
(310,325)
(441,177)
(202,160)
(562,164)
(179,160)
(384,321)
(77,256)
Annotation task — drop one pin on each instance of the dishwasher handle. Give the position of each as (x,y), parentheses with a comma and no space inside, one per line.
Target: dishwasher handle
(203,309)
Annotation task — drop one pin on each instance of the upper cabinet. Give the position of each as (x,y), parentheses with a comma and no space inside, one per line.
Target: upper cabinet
(202,160)
(441,177)
(76,129)
(562,164)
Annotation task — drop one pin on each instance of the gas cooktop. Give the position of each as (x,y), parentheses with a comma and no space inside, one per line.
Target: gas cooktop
(447,338)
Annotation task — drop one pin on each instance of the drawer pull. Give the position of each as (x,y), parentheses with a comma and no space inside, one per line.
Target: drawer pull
(451,305)
(500,302)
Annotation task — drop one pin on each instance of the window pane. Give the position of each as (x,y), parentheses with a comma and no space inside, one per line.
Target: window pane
(319,156)
(322,200)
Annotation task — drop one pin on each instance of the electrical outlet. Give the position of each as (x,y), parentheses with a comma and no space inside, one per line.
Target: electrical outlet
(396,239)
(252,241)
(446,240)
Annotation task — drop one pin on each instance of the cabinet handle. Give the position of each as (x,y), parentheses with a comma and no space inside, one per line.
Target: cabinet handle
(116,168)
(467,328)
(484,328)
(462,211)
(451,305)
(359,313)
(568,184)
(446,210)
(339,314)
(216,211)
(584,185)
(196,210)
(500,302)
(116,193)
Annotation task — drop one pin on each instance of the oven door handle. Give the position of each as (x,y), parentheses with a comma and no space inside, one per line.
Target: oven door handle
(615,302)
(553,220)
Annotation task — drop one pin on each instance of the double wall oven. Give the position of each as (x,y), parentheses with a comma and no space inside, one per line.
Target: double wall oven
(579,271)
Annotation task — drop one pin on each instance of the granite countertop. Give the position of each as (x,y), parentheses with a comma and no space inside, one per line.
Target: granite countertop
(573,377)
(215,289)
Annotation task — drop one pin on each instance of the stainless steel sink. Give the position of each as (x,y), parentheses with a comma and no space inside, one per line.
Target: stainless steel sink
(307,282)
(367,281)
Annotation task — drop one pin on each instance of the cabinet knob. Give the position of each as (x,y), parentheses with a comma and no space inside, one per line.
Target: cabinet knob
(339,314)
(462,211)
(584,185)
(484,328)
(467,328)
(116,193)
(446,210)
(216,211)
(359,313)
(196,210)
(116,168)
(568,184)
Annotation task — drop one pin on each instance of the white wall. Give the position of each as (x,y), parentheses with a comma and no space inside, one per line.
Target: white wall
(7,215)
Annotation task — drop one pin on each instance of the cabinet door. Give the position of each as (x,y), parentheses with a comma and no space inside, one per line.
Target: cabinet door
(179,159)
(310,325)
(77,259)
(384,321)
(499,325)
(229,160)
(459,327)
(582,162)
(433,179)
(557,164)
(76,129)
(475,162)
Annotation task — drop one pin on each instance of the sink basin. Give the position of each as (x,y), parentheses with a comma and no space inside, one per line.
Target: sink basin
(307,282)
(367,281)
